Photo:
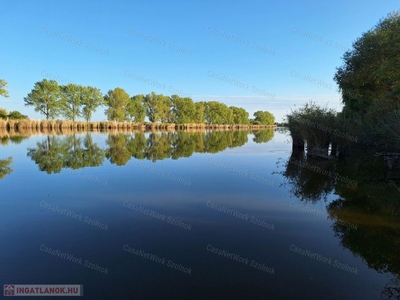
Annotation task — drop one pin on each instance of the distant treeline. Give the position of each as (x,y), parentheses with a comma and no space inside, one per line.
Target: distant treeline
(74,101)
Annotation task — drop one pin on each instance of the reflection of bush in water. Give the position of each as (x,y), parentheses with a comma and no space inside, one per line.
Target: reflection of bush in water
(5,168)
(365,217)
(263,136)
(57,152)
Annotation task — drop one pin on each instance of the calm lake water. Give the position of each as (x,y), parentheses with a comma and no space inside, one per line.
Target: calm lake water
(222,215)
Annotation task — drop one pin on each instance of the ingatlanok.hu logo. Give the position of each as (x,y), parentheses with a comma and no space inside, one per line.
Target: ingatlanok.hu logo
(43,290)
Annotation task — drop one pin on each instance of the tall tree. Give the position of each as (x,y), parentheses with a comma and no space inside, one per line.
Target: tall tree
(135,109)
(218,113)
(264,118)
(158,107)
(183,110)
(199,114)
(46,98)
(3,113)
(92,98)
(117,100)
(72,99)
(371,70)
(240,115)
(3,85)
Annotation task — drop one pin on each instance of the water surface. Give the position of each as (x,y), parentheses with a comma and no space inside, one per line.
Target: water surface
(201,215)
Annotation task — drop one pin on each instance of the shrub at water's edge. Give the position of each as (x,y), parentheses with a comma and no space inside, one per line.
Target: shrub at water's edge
(370,85)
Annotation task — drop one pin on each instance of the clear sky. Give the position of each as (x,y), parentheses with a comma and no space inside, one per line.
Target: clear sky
(255,54)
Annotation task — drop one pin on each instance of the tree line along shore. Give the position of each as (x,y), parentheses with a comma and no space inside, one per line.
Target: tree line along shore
(75,103)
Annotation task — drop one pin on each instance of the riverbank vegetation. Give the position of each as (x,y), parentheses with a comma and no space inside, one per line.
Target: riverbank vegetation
(369,81)
(75,103)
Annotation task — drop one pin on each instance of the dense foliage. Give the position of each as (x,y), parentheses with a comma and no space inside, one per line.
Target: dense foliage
(74,101)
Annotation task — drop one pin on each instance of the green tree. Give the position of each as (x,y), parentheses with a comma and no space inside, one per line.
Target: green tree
(371,70)
(3,113)
(199,114)
(135,109)
(218,113)
(72,99)
(158,107)
(117,101)
(46,98)
(16,115)
(183,110)
(92,98)
(3,91)
(264,118)
(240,115)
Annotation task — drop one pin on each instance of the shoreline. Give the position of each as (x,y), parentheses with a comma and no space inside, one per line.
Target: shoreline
(81,126)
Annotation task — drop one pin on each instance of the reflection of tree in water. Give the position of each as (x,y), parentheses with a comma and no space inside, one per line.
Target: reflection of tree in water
(118,152)
(183,144)
(263,136)
(5,168)
(239,138)
(50,154)
(57,152)
(162,145)
(93,155)
(366,216)
(15,139)
(309,180)
(375,210)
(73,151)
(216,141)
(136,145)
(159,146)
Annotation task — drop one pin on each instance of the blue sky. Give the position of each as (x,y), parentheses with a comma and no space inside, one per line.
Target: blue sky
(259,55)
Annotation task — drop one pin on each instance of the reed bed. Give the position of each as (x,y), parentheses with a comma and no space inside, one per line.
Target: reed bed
(56,127)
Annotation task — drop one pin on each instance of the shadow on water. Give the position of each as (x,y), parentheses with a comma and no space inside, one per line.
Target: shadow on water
(365,209)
